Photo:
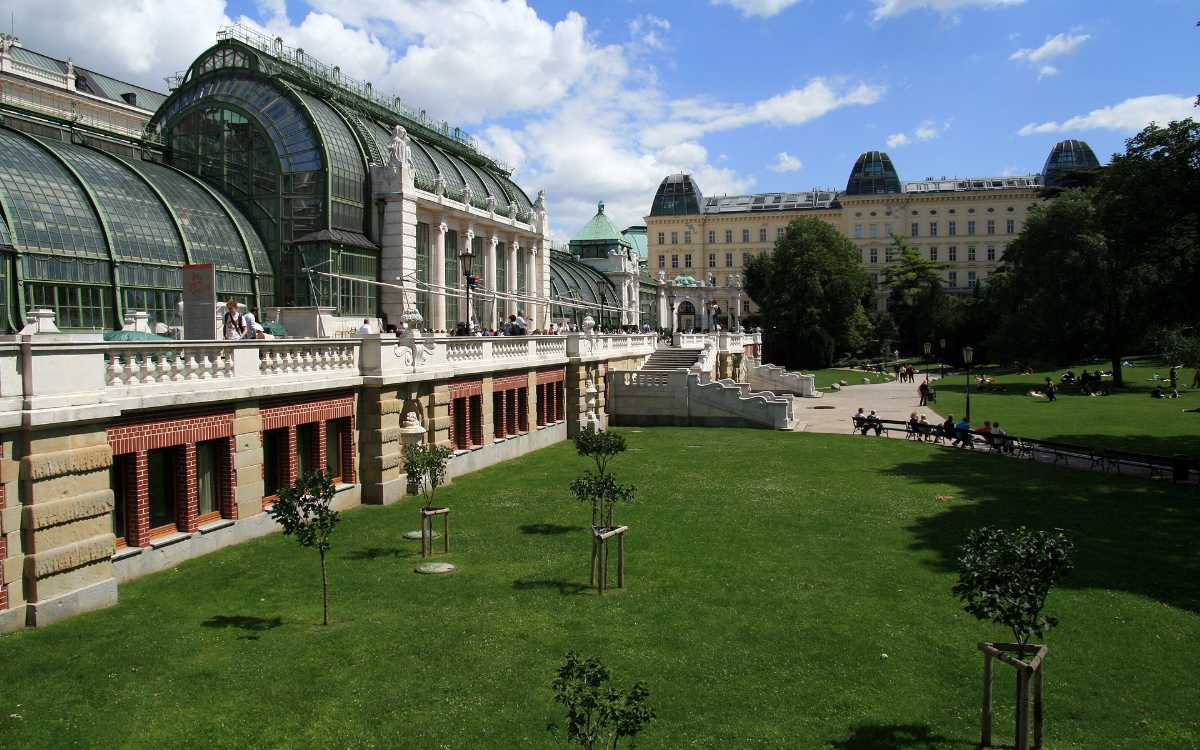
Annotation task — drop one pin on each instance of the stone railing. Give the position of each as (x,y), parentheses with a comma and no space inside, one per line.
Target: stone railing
(133,364)
(778,380)
(287,357)
(600,346)
(726,340)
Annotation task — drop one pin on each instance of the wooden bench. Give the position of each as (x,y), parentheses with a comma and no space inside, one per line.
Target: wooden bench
(1158,466)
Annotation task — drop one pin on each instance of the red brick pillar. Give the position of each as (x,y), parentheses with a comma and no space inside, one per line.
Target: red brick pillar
(228,479)
(512,422)
(321,453)
(137,512)
(349,454)
(289,461)
(185,488)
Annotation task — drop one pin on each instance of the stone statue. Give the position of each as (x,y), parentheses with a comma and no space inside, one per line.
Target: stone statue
(400,151)
(711,280)
(412,420)
(491,203)
(588,325)
(662,276)
(468,194)
(540,203)
(439,185)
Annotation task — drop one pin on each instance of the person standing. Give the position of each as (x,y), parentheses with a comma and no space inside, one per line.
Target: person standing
(521,325)
(1051,388)
(365,328)
(232,324)
(923,390)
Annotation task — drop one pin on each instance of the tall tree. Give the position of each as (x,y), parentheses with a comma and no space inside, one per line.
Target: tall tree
(916,297)
(810,291)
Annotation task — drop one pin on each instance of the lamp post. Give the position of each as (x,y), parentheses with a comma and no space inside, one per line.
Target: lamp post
(942,359)
(928,349)
(603,309)
(671,306)
(465,257)
(968,355)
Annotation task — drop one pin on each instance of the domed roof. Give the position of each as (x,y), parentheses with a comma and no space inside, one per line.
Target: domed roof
(678,195)
(873,174)
(1066,157)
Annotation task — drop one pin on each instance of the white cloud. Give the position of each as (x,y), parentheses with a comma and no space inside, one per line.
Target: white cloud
(649,30)
(1059,45)
(761,8)
(1128,116)
(885,9)
(928,130)
(1054,46)
(785,162)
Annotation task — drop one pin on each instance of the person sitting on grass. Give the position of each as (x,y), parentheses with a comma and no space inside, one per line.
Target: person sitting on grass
(1157,392)
(873,423)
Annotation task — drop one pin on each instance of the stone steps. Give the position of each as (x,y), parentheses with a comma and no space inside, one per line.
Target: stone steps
(671,359)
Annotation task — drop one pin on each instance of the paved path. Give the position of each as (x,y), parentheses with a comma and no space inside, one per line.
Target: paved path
(893,400)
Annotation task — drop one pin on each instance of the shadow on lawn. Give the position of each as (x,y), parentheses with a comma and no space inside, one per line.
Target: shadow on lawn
(566,588)
(895,737)
(248,623)
(549,529)
(1131,534)
(375,553)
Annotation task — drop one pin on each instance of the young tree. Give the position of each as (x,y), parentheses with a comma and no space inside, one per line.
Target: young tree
(603,493)
(1004,576)
(303,510)
(810,291)
(600,446)
(426,468)
(598,715)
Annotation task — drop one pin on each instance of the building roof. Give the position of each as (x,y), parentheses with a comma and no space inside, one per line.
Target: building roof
(638,239)
(89,81)
(1067,157)
(873,174)
(75,211)
(600,229)
(678,195)
(958,184)
(571,279)
(770,202)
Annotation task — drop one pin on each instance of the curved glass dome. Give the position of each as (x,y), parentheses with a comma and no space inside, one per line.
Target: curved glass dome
(873,174)
(678,195)
(575,281)
(1067,157)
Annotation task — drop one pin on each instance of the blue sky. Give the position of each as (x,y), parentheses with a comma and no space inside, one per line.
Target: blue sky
(598,100)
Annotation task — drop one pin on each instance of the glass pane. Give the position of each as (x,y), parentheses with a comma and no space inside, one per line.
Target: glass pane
(306,448)
(207,501)
(161,487)
(118,480)
(334,430)
(274,445)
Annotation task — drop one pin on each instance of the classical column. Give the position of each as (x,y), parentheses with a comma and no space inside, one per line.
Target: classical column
(437,275)
(491,280)
(468,240)
(512,277)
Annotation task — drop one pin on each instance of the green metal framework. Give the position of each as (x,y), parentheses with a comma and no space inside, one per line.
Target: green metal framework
(570,279)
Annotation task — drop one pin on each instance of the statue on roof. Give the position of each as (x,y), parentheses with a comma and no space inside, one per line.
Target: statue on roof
(662,276)
(710,279)
(439,185)
(540,203)
(491,203)
(399,149)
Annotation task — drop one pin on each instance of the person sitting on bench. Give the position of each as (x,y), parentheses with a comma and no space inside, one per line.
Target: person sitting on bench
(873,423)
(962,434)
(859,420)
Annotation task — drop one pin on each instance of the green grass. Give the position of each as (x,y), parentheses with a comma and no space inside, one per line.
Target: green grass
(1127,419)
(826,378)
(768,574)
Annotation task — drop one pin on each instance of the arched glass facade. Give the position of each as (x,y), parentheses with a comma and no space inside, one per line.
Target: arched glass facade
(577,282)
(873,174)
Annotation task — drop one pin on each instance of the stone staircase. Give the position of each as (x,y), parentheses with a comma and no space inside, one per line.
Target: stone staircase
(671,359)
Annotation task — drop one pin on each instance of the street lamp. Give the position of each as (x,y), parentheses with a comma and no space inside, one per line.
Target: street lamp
(928,349)
(942,359)
(465,257)
(603,310)
(968,356)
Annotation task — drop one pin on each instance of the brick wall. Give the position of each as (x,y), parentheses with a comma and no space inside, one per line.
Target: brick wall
(466,413)
(549,395)
(292,414)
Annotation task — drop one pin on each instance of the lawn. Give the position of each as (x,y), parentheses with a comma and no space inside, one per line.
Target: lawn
(826,378)
(783,591)
(1127,419)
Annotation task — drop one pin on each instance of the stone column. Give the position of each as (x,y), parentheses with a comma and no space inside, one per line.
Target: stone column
(68,537)
(248,459)
(438,409)
(380,446)
(539,316)
(392,185)
(514,306)
(12,557)
(437,275)
(490,281)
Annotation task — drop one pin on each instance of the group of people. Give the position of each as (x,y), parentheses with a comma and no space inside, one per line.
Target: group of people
(1089,382)
(905,373)
(959,433)
(240,325)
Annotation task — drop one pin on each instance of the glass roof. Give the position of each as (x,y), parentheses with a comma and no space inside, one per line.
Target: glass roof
(348,173)
(48,209)
(139,225)
(262,261)
(571,279)
(873,174)
(295,142)
(454,180)
(1066,157)
(678,195)
(5,237)
(210,232)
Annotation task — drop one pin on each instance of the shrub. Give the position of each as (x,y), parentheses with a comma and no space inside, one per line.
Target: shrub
(426,467)
(598,716)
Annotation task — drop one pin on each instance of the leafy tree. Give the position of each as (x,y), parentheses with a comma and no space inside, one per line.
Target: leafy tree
(916,296)
(598,715)
(1178,345)
(603,493)
(600,446)
(426,467)
(1004,576)
(810,291)
(303,510)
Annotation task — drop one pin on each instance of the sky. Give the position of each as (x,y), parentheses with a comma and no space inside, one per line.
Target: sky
(599,100)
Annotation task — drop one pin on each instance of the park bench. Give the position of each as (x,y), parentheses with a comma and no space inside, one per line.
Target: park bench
(1062,452)
(1157,466)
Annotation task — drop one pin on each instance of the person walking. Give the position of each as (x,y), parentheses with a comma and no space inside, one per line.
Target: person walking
(923,391)
(1051,389)
(232,324)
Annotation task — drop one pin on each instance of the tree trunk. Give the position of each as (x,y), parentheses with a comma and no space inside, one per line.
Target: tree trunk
(324,589)
(1118,381)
